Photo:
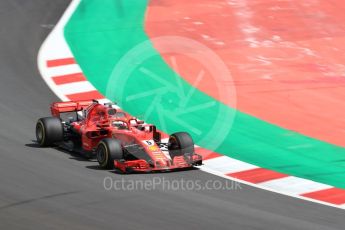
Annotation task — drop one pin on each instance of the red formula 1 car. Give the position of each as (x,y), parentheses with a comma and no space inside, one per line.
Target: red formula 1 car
(116,138)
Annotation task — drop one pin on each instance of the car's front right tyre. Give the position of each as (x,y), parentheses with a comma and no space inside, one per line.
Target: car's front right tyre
(180,143)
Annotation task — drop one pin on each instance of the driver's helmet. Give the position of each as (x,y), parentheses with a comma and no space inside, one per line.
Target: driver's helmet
(119,124)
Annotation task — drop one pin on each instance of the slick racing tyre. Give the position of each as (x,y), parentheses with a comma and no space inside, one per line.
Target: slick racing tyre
(48,131)
(180,143)
(107,151)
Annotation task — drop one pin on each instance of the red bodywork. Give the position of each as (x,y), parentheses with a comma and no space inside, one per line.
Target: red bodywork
(102,121)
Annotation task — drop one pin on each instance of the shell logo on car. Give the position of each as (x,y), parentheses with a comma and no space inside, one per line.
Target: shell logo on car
(150,145)
(153,148)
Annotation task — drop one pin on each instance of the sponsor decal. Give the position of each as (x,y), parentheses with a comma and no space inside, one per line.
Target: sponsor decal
(153,148)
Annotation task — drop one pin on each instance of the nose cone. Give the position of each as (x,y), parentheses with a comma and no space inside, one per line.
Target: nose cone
(162,163)
(160,159)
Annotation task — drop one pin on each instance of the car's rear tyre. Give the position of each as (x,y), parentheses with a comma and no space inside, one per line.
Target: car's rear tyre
(48,131)
(107,151)
(180,143)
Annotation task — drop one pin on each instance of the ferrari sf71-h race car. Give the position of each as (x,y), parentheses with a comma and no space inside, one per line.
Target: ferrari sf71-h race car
(116,138)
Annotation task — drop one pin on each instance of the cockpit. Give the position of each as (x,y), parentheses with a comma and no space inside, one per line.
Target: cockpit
(119,124)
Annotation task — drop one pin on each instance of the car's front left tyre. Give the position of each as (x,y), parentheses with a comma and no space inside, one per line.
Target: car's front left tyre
(107,151)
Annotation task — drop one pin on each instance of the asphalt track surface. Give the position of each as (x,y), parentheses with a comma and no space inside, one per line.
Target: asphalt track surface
(44,188)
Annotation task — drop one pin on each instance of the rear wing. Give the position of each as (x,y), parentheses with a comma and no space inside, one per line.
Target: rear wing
(57,108)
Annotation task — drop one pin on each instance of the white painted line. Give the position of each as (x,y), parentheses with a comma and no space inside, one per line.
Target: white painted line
(226,164)
(259,186)
(294,185)
(76,87)
(63,70)
(55,47)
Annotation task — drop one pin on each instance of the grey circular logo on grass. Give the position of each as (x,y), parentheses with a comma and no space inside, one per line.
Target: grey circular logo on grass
(140,83)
